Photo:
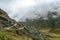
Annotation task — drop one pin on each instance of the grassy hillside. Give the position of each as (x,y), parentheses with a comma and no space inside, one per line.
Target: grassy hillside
(6,35)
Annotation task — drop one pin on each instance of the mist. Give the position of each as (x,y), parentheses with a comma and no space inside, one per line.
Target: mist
(22,9)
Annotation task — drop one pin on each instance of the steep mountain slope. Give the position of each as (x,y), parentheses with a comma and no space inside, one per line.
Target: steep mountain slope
(11,30)
(6,21)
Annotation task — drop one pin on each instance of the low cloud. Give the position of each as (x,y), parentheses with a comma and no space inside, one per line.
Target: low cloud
(21,9)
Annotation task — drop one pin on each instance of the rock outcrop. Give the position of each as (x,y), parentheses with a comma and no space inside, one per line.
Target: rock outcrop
(6,22)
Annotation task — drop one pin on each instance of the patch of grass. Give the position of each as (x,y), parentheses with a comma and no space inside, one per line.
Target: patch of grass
(8,35)
(4,35)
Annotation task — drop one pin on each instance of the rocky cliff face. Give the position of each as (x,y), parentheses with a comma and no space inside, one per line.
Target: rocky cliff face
(6,21)
(3,13)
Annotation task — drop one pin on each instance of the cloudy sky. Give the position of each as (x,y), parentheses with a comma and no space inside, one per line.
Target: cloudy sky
(21,9)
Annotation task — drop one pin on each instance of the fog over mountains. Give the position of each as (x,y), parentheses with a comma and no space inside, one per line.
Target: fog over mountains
(22,9)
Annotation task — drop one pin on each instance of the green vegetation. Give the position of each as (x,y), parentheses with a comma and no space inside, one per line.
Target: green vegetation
(6,22)
(5,35)
(8,35)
